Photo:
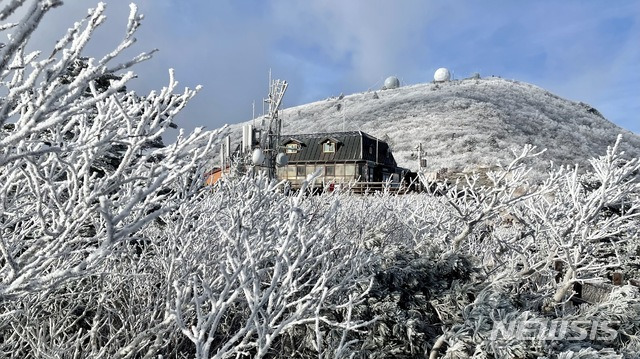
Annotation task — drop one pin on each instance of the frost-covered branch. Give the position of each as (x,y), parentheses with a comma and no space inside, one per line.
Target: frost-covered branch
(76,171)
(270,270)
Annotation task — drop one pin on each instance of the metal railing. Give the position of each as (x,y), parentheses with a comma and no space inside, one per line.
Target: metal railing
(364,187)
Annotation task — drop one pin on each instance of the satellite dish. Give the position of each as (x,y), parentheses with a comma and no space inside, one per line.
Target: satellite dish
(257,157)
(391,82)
(282,159)
(441,75)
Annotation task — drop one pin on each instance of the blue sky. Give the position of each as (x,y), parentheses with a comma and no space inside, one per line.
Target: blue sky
(585,51)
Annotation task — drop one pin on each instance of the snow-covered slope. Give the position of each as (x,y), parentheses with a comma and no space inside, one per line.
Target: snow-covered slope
(465,124)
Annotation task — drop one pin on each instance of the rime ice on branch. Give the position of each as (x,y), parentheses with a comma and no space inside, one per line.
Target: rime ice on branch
(78,169)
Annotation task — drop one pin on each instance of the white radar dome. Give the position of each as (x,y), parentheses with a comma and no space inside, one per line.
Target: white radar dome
(391,82)
(282,159)
(257,157)
(442,74)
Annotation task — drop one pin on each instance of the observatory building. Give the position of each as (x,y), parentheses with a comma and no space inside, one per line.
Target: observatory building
(442,75)
(353,157)
(342,157)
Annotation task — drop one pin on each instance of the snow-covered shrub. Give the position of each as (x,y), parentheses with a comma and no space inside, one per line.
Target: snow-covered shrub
(577,226)
(252,266)
(559,237)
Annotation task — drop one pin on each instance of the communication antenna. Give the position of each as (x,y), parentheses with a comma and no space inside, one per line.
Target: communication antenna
(271,135)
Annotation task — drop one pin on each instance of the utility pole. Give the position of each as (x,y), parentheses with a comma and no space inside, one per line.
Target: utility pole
(422,162)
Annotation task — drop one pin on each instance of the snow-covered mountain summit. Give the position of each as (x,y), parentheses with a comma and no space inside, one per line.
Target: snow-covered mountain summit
(466,124)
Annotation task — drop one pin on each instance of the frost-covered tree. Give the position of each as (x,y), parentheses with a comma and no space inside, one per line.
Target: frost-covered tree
(61,216)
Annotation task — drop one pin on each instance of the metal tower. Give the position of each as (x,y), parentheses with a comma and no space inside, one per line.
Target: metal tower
(270,140)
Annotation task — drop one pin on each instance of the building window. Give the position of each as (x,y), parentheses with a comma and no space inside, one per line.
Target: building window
(310,169)
(300,171)
(329,171)
(370,150)
(291,171)
(349,170)
(340,170)
(328,147)
(292,148)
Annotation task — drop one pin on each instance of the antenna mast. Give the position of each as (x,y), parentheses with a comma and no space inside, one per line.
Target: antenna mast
(271,137)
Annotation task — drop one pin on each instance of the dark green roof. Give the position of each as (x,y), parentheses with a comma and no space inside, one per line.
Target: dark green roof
(351,146)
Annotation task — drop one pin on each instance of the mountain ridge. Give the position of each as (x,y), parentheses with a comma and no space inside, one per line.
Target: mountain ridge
(465,124)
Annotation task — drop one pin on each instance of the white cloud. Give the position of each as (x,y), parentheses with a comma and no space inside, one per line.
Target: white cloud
(371,38)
